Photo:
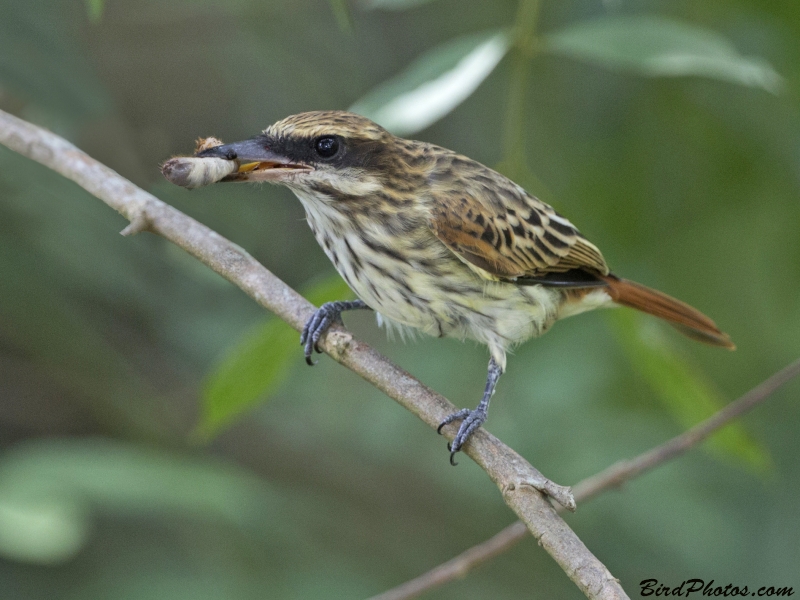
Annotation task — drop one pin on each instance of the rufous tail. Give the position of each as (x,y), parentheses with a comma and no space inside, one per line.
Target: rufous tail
(689,321)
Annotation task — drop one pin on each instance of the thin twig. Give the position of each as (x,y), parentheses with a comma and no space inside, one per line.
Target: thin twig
(619,473)
(518,481)
(458,566)
(613,476)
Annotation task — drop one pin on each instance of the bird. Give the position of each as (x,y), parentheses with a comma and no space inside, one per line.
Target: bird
(437,242)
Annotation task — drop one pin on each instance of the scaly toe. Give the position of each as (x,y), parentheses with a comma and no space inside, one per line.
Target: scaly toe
(471,422)
(308,349)
(463,413)
(313,330)
(309,361)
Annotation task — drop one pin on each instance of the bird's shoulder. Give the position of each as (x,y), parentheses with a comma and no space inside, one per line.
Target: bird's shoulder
(494,224)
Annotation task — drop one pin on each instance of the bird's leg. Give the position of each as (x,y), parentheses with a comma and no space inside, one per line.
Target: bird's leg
(472,419)
(324,317)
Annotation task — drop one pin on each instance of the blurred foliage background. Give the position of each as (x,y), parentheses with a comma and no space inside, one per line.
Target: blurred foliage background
(162,438)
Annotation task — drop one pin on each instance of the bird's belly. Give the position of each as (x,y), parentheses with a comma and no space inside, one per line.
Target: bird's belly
(440,296)
(401,295)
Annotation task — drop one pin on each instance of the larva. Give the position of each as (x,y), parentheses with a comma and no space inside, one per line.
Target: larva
(192,172)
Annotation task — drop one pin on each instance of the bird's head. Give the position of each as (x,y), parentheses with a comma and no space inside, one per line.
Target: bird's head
(326,153)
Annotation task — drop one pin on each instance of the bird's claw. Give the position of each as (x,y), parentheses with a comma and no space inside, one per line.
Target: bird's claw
(463,413)
(325,316)
(470,421)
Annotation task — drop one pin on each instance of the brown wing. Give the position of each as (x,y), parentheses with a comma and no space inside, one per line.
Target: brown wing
(493,224)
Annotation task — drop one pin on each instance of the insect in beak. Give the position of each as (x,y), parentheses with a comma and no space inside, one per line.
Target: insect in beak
(255,161)
(250,160)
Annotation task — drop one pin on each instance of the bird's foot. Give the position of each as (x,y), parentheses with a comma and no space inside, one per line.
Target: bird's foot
(325,316)
(472,419)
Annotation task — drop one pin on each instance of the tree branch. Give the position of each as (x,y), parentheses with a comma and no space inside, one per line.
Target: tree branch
(614,476)
(519,482)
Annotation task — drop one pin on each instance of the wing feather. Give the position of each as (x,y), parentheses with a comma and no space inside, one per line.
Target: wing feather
(493,224)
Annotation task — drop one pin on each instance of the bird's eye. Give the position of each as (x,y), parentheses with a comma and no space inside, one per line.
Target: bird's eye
(327,146)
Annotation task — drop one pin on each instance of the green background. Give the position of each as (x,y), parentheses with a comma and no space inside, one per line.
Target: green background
(109,345)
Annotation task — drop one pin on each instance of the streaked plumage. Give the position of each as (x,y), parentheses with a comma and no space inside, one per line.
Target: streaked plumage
(433,240)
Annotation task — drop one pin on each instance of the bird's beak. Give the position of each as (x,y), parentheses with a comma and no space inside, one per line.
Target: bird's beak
(255,160)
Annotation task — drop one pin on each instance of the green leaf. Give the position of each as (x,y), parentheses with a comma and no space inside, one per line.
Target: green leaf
(49,488)
(95,9)
(327,289)
(659,47)
(435,84)
(342,13)
(683,389)
(256,365)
